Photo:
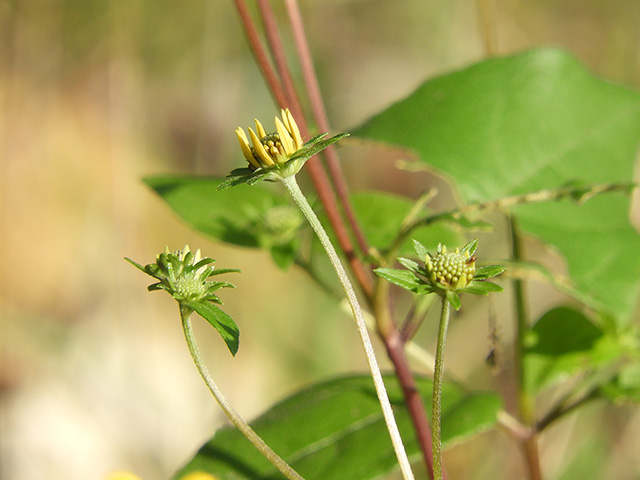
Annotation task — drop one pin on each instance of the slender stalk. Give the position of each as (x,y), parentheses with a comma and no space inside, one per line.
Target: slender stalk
(322,120)
(395,346)
(235,418)
(293,188)
(436,401)
(319,177)
(526,407)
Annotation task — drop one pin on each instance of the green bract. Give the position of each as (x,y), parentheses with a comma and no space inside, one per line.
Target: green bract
(184,275)
(447,273)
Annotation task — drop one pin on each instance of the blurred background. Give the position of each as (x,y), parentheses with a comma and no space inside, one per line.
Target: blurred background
(95,94)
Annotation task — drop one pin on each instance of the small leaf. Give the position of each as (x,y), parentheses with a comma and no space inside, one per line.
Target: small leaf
(221,321)
(562,343)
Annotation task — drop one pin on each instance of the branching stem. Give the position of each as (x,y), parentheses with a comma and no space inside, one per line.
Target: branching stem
(293,188)
(235,418)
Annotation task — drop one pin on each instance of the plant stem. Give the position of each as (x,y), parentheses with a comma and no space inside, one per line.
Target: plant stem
(293,188)
(526,406)
(436,401)
(236,419)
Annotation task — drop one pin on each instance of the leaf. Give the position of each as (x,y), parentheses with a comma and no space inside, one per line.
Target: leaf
(529,122)
(625,387)
(564,342)
(335,431)
(381,216)
(221,321)
(224,215)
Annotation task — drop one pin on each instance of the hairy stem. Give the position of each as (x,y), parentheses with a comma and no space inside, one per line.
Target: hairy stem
(293,188)
(436,401)
(236,419)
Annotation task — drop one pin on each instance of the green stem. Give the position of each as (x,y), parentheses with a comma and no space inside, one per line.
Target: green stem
(436,401)
(293,188)
(236,419)
(526,401)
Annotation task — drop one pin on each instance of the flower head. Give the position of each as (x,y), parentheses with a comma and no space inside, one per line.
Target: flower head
(269,149)
(454,270)
(275,155)
(185,276)
(446,273)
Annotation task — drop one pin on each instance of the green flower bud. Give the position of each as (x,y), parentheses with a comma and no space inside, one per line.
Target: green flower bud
(454,270)
(184,275)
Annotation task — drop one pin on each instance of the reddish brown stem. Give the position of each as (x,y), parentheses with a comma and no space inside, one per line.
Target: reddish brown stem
(277,51)
(321,118)
(319,178)
(530,446)
(395,349)
(259,54)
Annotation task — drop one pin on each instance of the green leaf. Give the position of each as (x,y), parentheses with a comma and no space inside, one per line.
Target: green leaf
(562,343)
(381,216)
(221,321)
(529,122)
(226,216)
(626,385)
(335,431)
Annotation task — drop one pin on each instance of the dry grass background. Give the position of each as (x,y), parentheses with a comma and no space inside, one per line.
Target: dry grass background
(95,94)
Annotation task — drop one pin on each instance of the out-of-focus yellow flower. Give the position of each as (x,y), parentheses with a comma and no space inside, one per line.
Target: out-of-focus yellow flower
(121,475)
(268,149)
(199,476)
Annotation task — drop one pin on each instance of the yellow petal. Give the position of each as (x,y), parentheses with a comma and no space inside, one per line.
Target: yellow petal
(260,129)
(285,138)
(260,151)
(293,129)
(244,146)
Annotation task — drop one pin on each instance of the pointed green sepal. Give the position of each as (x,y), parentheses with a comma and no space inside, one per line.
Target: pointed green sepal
(488,271)
(482,288)
(454,299)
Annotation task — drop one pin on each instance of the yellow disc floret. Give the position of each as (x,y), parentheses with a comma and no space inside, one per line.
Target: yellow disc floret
(453,270)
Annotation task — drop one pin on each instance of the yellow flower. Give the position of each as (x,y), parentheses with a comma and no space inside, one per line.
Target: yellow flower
(269,149)
(199,476)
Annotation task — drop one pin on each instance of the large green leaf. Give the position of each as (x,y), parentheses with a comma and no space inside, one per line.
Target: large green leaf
(230,216)
(381,216)
(528,122)
(335,431)
(564,343)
